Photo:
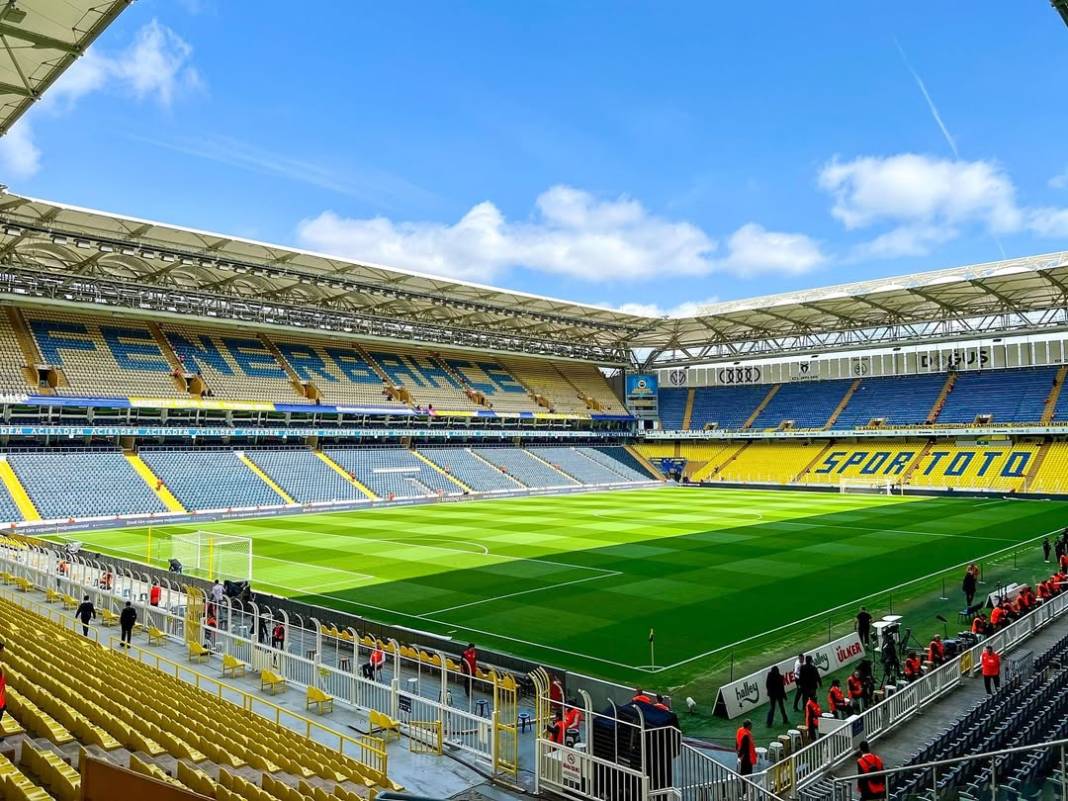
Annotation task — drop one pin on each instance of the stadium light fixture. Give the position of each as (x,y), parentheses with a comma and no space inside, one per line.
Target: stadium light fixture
(1062,8)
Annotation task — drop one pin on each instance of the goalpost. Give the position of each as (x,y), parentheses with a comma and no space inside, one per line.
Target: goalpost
(208,555)
(867,486)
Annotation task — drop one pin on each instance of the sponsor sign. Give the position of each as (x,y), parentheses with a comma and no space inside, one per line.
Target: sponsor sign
(677,377)
(748,692)
(738,375)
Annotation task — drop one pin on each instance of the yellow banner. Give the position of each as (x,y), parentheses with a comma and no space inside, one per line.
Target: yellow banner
(202,403)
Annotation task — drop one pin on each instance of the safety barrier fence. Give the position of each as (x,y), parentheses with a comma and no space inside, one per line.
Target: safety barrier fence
(413,692)
(811,762)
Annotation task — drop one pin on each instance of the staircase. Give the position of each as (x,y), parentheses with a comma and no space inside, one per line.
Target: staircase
(394,392)
(302,388)
(761,406)
(815,461)
(154,483)
(842,404)
(1040,457)
(591,404)
(640,459)
(714,466)
(270,482)
(940,401)
(473,395)
(196,385)
(441,470)
(341,472)
(17,491)
(551,466)
(687,414)
(907,475)
(1050,408)
(490,464)
(30,354)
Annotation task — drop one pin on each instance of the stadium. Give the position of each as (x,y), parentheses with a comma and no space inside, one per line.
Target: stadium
(283,526)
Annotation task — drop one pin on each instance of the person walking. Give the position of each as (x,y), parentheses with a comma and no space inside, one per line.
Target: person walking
(775,685)
(809,679)
(127,619)
(990,663)
(797,681)
(870,787)
(969,584)
(745,748)
(85,612)
(812,719)
(1045,549)
(863,626)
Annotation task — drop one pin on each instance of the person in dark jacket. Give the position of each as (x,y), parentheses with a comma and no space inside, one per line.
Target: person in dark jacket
(971,580)
(809,680)
(85,612)
(776,688)
(127,619)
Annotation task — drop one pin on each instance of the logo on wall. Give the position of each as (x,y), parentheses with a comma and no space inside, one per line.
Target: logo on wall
(640,387)
(803,367)
(738,375)
(860,368)
(973,357)
(677,378)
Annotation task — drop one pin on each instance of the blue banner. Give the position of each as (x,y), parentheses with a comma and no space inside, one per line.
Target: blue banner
(641,386)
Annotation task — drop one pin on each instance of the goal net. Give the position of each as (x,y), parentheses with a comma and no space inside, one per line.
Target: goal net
(866,486)
(208,555)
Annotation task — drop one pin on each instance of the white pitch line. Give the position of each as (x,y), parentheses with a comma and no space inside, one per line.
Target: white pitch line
(291,563)
(890,531)
(521,592)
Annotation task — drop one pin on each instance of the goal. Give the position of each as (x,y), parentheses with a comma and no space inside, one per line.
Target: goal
(208,555)
(867,486)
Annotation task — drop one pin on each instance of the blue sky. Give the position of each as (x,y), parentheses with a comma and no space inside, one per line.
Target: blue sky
(649,156)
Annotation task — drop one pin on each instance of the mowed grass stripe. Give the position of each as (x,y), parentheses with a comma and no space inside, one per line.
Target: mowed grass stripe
(705,568)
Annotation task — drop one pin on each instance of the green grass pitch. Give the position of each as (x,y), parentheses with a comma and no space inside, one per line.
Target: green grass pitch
(577,581)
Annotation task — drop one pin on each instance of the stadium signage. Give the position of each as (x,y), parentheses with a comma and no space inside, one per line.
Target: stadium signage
(738,375)
(748,692)
(284,433)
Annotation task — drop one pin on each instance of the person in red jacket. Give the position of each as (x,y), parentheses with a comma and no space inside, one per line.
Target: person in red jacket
(873,787)
(855,687)
(936,651)
(469,665)
(836,701)
(991,668)
(913,667)
(999,616)
(980,626)
(812,719)
(745,748)
(154,593)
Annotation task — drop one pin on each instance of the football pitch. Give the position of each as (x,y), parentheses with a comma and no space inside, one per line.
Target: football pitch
(578,581)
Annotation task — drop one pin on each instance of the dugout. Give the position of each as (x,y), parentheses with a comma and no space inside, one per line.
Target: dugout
(639,736)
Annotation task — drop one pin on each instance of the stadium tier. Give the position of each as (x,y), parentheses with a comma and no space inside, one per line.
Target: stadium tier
(1004,396)
(81,355)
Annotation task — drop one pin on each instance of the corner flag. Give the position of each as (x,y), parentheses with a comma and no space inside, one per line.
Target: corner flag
(652,653)
(652,635)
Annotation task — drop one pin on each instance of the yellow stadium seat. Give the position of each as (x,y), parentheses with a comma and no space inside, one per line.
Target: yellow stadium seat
(197,652)
(381,722)
(156,636)
(319,700)
(271,682)
(232,666)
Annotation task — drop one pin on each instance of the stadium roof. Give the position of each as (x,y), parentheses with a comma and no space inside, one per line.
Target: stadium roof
(40,39)
(81,251)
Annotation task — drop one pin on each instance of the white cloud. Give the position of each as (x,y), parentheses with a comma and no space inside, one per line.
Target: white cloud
(1049,222)
(753,249)
(906,240)
(1059,181)
(690,308)
(19,156)
(916,188)
(155,66)
(571,233)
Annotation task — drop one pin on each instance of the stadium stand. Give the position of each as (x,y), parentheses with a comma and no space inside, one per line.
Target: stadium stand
(1006,396)
(804,404)
(304,476)
(577,464)
(874,461)
(475,472)
(9,511)
(98,358)
(618,459)
(778,463)
(704,460)
(105,484)
(988,467)
(210,479)
(13,361)
(525,468)
(70,693)
(671,405)
(234,366)
(726,407)
(393,472)
(896,400)
(1051,472)
(339,373)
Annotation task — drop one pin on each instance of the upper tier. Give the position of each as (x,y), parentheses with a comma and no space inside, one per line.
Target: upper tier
(77,354)
(997,397)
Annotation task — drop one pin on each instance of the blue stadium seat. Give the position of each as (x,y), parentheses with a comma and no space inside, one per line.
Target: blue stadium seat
(476,473)
(809,404)
(672,407)
(580,465)
(205,479)
(393,472)
(1009,396)
(304,476)
(899,400)
(65,484)
(727,407)
(9,512)
(525,468)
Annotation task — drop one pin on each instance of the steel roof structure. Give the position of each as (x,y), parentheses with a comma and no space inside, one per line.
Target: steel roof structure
(39,40)
(51,250)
